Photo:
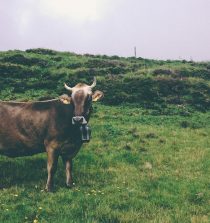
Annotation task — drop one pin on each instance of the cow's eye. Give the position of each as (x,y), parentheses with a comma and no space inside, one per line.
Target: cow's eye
(89,99)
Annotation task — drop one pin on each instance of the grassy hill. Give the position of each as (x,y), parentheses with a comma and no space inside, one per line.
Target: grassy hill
(149,157)
(39,73)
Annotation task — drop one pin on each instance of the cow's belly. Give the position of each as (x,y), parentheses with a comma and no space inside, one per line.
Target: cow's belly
(20,149)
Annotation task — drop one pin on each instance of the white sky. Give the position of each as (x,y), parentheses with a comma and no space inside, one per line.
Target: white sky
(160,29)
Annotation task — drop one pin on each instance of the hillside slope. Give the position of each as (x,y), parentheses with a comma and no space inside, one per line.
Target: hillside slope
(40,73)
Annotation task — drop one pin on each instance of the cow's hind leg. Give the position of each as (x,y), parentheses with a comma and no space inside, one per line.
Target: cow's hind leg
(69,167)
(52,160)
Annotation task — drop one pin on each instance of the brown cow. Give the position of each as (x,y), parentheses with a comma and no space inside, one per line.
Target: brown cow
(55,126)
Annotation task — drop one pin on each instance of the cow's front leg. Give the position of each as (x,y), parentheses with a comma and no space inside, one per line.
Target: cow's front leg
(52,160)
(69,167)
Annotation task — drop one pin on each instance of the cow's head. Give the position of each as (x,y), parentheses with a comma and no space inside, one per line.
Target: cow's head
(82,97)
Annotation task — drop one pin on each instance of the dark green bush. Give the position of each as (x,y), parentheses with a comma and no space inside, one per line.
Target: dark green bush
(20,59)
(42,51)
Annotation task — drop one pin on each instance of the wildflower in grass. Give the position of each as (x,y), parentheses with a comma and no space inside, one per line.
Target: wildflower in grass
(40,208)
(35,221)
(76,189)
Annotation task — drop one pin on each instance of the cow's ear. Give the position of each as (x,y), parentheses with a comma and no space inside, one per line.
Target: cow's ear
(97,95)
(65,99)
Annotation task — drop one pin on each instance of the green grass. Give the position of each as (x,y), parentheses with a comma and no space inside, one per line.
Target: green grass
(139,167)
(149,157)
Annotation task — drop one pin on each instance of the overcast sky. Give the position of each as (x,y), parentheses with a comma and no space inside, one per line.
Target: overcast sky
(160,29)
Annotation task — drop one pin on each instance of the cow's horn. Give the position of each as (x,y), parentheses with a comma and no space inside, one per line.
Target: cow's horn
(67,87)
(94,83)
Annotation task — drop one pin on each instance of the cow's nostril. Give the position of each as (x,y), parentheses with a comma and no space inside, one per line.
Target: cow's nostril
(78,120)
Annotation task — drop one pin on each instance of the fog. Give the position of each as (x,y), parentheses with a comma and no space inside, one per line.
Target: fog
(159,29)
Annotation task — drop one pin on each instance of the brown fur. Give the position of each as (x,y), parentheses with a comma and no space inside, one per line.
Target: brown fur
(79,100)
(33,127)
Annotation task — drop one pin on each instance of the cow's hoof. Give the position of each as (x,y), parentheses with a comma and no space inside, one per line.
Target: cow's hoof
(49,189)
(70,185)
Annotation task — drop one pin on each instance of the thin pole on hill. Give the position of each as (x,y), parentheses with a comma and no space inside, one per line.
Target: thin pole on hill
(144,66)
(135,51)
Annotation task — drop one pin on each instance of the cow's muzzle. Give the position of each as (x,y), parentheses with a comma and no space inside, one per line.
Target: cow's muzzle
(79,120)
